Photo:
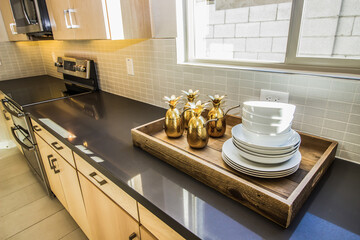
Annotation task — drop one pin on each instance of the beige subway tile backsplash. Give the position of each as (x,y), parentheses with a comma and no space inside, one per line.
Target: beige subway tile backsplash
(326,106)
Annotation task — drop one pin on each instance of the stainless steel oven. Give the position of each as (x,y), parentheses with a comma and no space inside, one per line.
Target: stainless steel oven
(23,136)
(31,16)
(79,77)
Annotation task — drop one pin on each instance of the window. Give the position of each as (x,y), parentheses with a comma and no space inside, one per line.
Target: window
(320,35)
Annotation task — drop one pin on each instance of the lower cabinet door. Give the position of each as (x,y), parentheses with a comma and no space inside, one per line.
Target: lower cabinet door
(52,169)
(106,219)
(73,195)
(146,235)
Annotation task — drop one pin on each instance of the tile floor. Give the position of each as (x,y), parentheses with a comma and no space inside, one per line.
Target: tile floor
(26,211)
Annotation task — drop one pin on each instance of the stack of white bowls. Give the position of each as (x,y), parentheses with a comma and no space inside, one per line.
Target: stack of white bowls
(264,145)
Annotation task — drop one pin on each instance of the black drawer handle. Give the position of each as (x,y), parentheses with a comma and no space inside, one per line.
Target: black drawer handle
(6,117)
(101,182)
(57,146)
(36,128)
(55,170)
(132,236)
(52,160)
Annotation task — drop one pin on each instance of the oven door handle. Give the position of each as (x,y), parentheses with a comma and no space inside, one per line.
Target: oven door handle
(29,148)
(25,12)
(12,112)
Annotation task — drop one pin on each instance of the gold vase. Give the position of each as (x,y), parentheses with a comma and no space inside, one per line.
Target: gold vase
(174,126)
(217,118)
(187,115)
(216,128)
(197,136)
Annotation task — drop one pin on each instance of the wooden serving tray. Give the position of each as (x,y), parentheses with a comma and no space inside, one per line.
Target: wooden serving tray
(277,199)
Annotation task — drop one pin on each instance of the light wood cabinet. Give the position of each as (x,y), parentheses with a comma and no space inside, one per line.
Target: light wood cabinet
(9,22)
(64,183)
(118,195)
(55,143)
(157,227)
(51,165)
(146,235)
(74,199)
(106,219)
(99,19)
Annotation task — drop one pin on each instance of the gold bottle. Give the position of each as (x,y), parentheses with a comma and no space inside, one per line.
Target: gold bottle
(197,136)
(191,96)
(217,128)
(174,126)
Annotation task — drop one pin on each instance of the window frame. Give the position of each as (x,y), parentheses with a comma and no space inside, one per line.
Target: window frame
(292,63)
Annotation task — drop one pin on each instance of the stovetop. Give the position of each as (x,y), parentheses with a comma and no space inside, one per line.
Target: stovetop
(33,90)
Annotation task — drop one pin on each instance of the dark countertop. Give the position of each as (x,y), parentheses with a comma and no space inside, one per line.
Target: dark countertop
(25,91)
(103,121)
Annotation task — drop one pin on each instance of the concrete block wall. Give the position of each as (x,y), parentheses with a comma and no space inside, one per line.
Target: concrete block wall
(330,28)
(255,33)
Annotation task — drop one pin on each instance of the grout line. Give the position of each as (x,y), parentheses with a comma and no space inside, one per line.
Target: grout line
(20,188)
(28,202)
(36,223)
(69,233)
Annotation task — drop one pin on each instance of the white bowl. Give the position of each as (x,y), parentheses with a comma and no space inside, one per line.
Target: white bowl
(270,147)
(264,128)
(265,120)
(278,139)
(270,109)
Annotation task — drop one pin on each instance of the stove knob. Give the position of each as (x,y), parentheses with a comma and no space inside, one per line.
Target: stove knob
(80,68)
(58,64)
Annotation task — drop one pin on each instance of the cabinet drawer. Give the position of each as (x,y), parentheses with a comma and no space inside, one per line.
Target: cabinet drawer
(56,144)
(109,188)
(157,227)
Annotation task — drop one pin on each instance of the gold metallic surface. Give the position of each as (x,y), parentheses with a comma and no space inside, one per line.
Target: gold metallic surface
(191,96)
(216,128)
(174,126)
(197,136)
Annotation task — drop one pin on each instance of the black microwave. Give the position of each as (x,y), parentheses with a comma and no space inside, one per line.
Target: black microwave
(31,17)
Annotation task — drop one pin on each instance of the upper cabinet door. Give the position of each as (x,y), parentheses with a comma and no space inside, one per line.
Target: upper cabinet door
(100,19)
(9,22)
(60,19)
(89,19)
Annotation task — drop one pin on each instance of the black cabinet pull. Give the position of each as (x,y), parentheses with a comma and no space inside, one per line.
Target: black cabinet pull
(56,146)
(52,160)
(55,170)
(6,117)
(102,182)
(36,128)
(132,236)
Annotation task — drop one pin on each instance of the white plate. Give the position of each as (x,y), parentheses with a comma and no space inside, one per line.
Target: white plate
(238,134)
(240,168)
(264,159)
(267,155)
(232,153)
(267,175)
(267,151)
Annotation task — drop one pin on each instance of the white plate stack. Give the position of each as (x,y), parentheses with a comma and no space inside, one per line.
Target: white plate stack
(264,145)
